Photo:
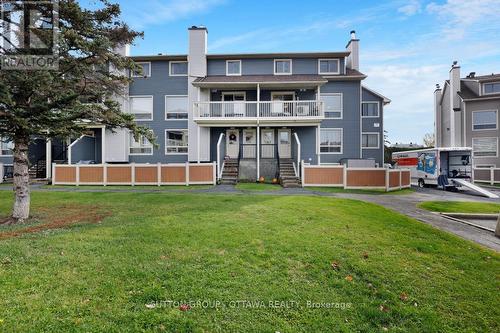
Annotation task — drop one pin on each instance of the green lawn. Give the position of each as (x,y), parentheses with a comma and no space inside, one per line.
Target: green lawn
(391,272)
(258,187)
(460,207)
(358,191)
(128,187)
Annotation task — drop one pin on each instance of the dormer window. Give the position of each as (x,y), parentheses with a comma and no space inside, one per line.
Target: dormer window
(492,88)
(328,66)
(282,66)
(233,67)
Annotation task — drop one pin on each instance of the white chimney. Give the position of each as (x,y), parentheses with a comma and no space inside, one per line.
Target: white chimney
(437,116)
(197,56)
(455,86)
(352,60)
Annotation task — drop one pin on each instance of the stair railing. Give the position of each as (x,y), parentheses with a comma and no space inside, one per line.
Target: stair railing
(297,141)
(220,157)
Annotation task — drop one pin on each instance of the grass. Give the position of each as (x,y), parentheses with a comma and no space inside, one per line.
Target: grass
(119,253)
(460,207)
(128,188)
(258,187)
(359,191)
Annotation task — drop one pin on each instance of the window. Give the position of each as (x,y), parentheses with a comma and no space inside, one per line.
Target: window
(176,107)
(141,107)
(176,141)
(370,140)
(282,67)
(178,68)
(6,147)
(141,146)
(331,140)
(233,67)
(484,120)
(492,88)
(369,109)
(333,105)
(143,71)
(485,147)
(328,66)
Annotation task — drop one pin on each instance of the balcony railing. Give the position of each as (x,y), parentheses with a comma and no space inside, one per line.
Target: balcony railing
(267,110)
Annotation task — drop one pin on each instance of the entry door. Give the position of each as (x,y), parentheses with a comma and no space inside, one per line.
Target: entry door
(249,143)
(232,143)
(267,143)
(285,143)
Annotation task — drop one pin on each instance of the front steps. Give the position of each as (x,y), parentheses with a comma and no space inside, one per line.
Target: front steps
(230,172)
(287,174)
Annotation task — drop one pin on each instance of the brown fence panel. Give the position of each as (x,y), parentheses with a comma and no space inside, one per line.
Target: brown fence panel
(120,175)
(64,174)
(482,174)
(173,174)
(91,174)
(146,174)
(365,178)
(405,178)
(201,173)
(333,176)
(394,178)
(496,175)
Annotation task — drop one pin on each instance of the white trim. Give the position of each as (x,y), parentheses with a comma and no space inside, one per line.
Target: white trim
(485,129)
(140,96)
(371,102)
(484,86)
(385,99)
(341,143)
(473,152)
(341,103)
(368,133)
(227,66)
(274,66)
(187,109)
(176,62)
(329,59)
(143,76)
(166,146)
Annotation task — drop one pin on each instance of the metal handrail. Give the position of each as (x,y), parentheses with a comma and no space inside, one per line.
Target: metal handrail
(297,170)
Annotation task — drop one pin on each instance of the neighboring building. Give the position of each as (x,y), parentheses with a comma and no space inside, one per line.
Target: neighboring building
(252,108)
(410,145)
(466,115)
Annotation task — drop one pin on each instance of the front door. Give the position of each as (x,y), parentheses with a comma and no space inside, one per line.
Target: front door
(249,143)
(232,143)
(284,143)
(267,143)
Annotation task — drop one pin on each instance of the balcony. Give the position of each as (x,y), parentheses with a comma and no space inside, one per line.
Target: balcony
(263,112)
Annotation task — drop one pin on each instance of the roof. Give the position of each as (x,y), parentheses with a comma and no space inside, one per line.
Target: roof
(385,99)
(467,94)
(175,57)
(261,78)
(485,78)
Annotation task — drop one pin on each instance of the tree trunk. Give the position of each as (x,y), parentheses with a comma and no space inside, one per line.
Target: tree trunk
(21,209)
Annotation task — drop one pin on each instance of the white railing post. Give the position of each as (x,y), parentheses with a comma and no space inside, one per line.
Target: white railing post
(77,175)
(344,175)
(219,162)
(214,175)
(302,172)
(158,173)
(105,174)
(492,176)
(53,173)
(132,173)
(187,173)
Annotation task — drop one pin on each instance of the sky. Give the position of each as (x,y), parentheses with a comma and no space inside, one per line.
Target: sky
(406,47)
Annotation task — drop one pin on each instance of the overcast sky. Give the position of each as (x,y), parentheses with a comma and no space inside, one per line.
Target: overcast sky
(406,46)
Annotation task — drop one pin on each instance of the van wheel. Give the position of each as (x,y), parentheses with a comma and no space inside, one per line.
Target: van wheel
(421,183)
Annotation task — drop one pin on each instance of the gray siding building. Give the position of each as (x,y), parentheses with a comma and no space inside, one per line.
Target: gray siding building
(466,115)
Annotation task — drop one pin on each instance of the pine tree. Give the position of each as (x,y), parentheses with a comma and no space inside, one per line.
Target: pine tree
(83,89)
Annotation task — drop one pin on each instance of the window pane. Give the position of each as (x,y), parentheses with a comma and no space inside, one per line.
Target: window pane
(490,88)
(332,105)
(141,146)
(370,110)
(179,68)
(370,140)
(330,140)
(144,70)
(142,107)
(484,120)
(176,107)
(484,147)
(283,66)
(233,67)
(176,141)
(328,66)
(6,147)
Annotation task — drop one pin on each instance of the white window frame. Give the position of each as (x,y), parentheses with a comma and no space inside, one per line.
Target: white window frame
(485,166)
(473,152)
(176,62)
(341,103)
(140,154)
(166,138)
(2,142)
(143,76)
(485,129)
(227,68)
(141,96)
(330,59)
(371,102)
(492,93)
(225,93)
(274,66)
(371,133)
(341,143)
(173,119)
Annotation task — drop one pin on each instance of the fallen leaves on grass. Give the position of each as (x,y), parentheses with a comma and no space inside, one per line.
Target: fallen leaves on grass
(365,255)
(61,217)
(403,296)
(349,278)
(383,308)
(184,307)
(335,265)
